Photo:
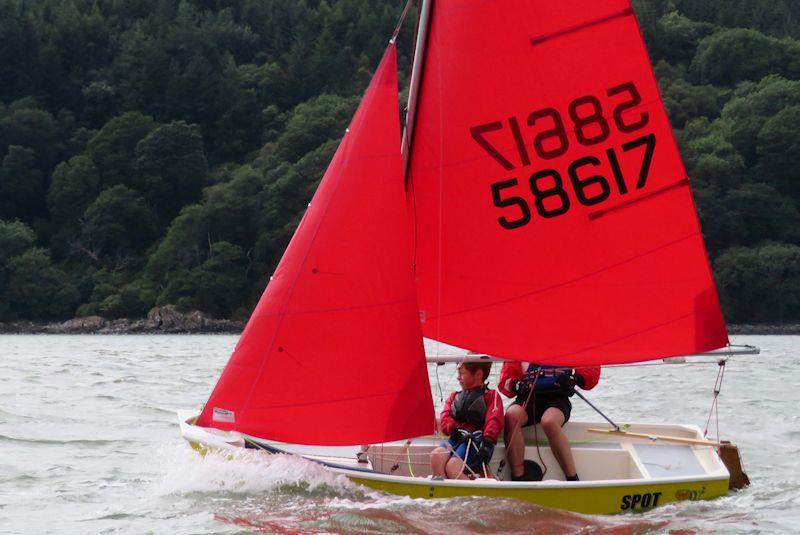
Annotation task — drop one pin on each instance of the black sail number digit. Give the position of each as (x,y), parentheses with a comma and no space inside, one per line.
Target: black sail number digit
(649,142)
(634,100)
(548,133)
(519,202)
(581,185)
(557,132)
(590,127)
(541,193)
(478,134)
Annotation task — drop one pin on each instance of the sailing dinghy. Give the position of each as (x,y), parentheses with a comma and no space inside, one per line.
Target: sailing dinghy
(536,210)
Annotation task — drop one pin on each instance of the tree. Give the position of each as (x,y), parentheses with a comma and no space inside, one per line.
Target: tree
(755,213)
(113,149)
(117,225)
(28,126)
(760,285)
(312,123)
(709,157)
(75,185)
(15,238)
(37,289)
(171,168)
(743,117)
(778,150)
(221,281)
(732,55)
(21,188)
(676,37)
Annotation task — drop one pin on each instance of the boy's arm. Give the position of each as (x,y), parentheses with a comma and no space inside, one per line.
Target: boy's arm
(589,377)
(446,418)
(510,373)
(494,416)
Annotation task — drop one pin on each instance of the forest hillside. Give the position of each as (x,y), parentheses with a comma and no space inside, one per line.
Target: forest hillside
(162,152)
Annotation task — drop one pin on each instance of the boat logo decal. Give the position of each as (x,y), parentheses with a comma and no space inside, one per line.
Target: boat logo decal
(688,494)
(645,500)
(223,415)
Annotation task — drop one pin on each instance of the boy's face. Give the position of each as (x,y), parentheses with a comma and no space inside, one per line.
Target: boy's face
(468,380)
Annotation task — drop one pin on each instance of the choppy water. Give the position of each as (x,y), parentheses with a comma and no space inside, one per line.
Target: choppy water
(89,444)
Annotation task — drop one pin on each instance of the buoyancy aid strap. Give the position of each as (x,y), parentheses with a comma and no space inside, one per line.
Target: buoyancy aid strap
(544,376)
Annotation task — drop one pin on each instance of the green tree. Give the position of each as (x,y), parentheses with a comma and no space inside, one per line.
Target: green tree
(751,106)
(74,186)
(37,289)
(220,281)
(732,55)
(116,226)
(778,150)
(15,238)
(760,285)
(676,37)
(113,149)
(21,188)
(171,168)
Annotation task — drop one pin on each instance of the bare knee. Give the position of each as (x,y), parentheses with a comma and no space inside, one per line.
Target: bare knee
(552,420)
(514,416)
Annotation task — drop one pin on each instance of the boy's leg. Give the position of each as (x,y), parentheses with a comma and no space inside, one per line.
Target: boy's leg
(512,435)
(552,422)
(455,468)
(439,458)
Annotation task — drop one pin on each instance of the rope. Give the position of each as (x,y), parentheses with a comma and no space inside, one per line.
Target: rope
(400,22)
(513,431)
(714,409)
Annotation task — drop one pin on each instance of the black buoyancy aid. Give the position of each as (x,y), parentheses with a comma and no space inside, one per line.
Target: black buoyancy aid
(470,407)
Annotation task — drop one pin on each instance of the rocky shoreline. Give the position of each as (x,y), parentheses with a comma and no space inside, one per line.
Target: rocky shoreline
(160,320)
(168,320)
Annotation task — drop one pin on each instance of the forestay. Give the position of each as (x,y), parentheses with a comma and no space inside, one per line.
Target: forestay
(333,352)
(553,216)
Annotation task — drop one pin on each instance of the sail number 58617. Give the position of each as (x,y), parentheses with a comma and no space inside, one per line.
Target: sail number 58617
(550,197)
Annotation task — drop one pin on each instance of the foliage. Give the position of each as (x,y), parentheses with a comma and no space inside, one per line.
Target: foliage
(760,284)
(163,151)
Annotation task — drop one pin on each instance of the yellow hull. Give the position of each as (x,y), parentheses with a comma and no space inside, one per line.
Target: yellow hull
(618,480)
(577,497)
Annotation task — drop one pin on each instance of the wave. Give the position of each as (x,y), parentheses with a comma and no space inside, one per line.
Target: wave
(78,441)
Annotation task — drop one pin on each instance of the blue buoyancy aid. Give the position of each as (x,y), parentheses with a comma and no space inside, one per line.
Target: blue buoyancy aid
(547,376)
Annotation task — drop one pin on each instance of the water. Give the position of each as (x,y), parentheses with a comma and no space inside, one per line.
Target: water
(89,444)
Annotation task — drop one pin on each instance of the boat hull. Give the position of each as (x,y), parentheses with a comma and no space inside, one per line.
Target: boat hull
(587,499)
(619,474)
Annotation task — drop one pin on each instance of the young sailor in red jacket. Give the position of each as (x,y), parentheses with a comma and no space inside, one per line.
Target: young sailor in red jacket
(542,394)
(473,418)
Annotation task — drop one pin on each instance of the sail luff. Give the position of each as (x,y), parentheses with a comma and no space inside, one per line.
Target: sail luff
(416,77)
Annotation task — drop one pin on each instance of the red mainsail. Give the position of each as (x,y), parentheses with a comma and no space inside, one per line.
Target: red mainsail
(333,352)
(553,216)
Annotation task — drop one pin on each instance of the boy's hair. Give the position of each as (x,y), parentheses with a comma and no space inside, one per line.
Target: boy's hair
(485,367)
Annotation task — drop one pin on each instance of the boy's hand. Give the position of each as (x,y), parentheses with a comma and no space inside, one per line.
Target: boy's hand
(460,435)
(486,450)
(522,388)
(567,383)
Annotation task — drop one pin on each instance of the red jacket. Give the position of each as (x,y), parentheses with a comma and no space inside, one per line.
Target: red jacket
(512,372)
(492,425)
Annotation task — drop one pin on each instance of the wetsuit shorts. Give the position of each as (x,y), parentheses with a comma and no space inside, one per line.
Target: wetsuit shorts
(541,401)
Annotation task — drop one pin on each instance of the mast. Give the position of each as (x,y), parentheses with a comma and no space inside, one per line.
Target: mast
(416,77)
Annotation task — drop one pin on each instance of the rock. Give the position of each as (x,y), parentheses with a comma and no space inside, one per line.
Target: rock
(165,319)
